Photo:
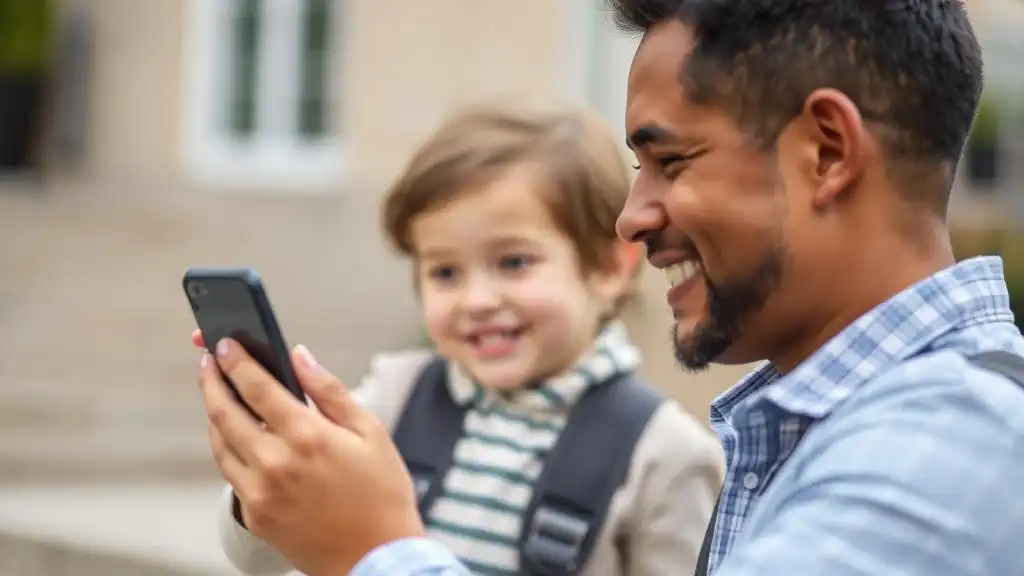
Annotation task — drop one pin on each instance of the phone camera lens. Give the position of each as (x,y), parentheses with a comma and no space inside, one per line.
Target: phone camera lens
(196,290)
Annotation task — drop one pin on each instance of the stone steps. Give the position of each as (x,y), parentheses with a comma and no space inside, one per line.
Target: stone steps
(50,455)
(21,556)
(122,529)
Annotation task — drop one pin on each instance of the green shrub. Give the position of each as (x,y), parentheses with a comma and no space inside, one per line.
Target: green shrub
(27,30)
(985,130)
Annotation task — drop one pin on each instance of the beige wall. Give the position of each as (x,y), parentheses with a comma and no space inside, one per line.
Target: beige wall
(135,90)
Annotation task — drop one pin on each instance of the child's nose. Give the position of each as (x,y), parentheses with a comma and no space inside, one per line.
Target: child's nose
(480,294)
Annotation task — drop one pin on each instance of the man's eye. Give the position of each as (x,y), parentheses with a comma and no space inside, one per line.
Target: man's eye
(667,161)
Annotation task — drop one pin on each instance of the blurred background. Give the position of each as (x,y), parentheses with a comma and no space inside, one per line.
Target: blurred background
(138,138)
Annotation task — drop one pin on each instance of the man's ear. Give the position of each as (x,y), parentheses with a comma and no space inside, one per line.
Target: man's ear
(832,140)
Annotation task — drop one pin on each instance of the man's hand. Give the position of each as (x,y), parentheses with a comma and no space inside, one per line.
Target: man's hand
(325,488)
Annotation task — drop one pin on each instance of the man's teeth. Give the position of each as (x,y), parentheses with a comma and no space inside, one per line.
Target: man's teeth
(679,273)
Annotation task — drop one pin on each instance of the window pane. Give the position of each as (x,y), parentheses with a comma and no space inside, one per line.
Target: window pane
(246,38)
(316,29)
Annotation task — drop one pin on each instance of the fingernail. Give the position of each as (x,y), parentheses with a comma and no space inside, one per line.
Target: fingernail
(307,357)
(204,360)
(222,348)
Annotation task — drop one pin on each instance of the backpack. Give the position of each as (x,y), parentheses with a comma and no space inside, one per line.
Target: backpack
(575,487)
(1006,364)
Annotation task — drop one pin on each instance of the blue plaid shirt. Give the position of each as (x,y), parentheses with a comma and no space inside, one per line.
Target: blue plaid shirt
(885,452)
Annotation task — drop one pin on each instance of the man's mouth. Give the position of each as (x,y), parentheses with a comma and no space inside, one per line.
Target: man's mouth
(681,272)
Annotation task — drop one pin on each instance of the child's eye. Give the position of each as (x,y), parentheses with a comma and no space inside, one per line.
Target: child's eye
(443,273)
(516,262)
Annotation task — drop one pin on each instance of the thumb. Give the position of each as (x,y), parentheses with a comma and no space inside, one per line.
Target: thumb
(331,397)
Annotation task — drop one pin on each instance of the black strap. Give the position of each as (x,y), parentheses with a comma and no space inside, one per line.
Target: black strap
(581,474)
(1004,363)
(428,430)
(1007,364)
(705,547)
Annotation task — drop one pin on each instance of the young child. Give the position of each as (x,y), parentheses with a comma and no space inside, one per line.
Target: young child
(509,219)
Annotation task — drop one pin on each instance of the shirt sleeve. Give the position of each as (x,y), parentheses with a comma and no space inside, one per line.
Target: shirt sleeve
(247,553)
(410,557)
(924,482)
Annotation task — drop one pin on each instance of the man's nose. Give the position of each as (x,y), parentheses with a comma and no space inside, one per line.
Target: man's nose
(640,216)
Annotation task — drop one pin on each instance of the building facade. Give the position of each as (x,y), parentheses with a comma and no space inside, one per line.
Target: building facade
(262,133)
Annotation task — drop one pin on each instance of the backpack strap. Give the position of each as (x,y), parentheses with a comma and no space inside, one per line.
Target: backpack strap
(427,431)
(1004,363)
(704,556)
(581,474)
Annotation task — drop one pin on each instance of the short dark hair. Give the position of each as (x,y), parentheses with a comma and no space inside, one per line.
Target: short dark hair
(912,67)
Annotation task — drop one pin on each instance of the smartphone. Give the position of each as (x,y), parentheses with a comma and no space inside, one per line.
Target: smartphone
(232,303)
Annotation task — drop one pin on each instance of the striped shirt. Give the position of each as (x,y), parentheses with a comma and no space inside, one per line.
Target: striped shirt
(479,513)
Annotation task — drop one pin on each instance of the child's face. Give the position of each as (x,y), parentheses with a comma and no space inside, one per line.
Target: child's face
(501,286)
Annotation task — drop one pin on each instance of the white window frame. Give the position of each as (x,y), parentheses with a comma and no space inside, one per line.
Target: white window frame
(275,156)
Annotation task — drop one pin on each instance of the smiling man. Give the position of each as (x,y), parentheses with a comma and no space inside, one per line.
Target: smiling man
(795,164)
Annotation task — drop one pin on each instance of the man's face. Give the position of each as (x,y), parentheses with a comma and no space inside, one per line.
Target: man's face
(715,212)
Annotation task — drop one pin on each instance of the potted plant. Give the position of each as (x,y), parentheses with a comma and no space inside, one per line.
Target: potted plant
(27,29)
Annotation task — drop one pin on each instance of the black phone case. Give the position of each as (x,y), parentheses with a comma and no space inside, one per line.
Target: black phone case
(282,368)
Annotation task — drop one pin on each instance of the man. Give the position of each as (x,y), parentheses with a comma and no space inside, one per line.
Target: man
(795,164)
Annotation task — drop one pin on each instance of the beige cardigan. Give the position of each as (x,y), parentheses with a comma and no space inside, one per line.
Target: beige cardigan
(656,521)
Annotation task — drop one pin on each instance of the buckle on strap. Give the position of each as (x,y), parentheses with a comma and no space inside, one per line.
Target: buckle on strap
(422,484)
(423,477)
(555,540)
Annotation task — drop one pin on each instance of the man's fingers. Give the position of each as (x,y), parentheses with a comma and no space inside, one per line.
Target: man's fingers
(331,397)
(259,390)
(240,431)
(231,466)
(197,339)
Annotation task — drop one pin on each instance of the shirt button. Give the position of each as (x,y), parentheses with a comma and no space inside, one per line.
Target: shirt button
(750,480)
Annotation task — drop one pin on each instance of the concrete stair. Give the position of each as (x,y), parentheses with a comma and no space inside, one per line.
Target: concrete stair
(123,529)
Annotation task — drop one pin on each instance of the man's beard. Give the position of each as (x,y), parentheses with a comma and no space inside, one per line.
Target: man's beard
(730,303)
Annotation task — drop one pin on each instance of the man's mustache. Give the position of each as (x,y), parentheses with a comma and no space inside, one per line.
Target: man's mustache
(657,242)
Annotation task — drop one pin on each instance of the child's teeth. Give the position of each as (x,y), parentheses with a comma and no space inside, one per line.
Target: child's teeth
(494,338)
(679,273)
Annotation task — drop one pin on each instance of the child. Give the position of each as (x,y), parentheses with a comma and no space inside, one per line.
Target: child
(509,219)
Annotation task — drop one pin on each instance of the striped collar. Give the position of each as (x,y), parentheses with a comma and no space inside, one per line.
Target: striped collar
(611,353)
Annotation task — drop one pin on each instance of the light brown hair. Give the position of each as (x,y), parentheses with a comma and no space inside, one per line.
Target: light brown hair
(582,171)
